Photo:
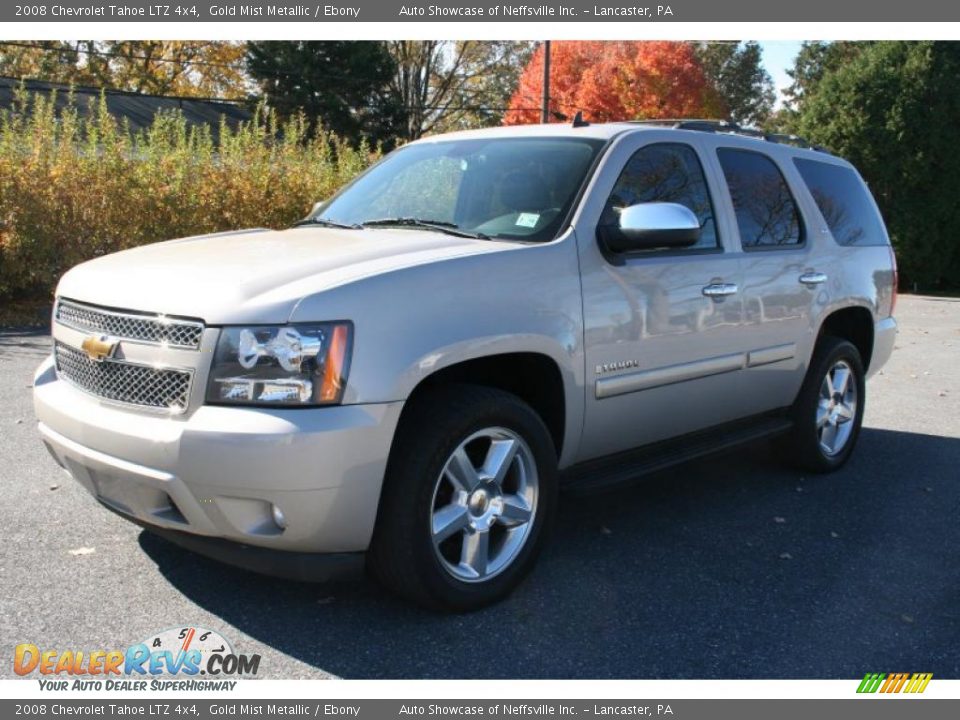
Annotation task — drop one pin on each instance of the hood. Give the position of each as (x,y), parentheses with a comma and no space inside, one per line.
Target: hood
(254,275)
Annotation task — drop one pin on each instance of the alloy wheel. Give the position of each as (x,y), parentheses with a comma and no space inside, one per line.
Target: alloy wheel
(836,408)
(484,504)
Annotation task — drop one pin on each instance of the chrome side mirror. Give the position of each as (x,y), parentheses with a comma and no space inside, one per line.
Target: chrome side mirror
(654,225)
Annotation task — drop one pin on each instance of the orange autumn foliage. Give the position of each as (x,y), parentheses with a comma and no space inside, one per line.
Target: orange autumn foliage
(620,80)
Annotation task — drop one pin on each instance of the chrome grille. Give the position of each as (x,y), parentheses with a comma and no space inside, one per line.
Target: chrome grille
(123,382)
(154,329)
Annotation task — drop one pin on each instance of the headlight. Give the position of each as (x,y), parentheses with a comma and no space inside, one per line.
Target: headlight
(281,365)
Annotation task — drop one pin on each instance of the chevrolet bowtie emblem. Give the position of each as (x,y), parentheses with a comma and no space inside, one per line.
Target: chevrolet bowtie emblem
(99,347)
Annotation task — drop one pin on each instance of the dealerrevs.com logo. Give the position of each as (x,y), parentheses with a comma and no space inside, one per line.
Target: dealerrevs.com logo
(182,658)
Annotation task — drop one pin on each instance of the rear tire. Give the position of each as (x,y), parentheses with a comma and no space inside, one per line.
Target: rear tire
(828,411)
(469,496)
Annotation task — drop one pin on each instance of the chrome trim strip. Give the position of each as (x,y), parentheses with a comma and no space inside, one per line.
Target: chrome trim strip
(776,353)
(145,317)
(646,379)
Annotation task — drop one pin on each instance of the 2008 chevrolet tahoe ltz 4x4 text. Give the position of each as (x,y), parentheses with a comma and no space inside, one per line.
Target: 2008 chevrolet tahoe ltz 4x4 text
(410,375)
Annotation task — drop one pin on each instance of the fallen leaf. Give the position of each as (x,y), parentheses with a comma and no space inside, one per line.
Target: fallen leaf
(779,520)
(20,422)
(834,535)
(83,551)
(54,487)
(907,618)
(605,530)
(786,556)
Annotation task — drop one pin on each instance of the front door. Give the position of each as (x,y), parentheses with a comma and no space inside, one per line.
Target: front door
(664,338)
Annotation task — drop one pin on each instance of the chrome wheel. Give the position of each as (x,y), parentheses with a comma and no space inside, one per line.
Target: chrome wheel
(837,408)
(484,504)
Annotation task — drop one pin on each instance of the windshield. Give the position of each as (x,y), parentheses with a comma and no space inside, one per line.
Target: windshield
(508,188)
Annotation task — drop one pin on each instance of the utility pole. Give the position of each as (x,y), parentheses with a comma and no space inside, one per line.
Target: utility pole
(545,102)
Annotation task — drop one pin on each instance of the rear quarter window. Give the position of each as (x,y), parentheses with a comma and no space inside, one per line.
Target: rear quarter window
(844,202)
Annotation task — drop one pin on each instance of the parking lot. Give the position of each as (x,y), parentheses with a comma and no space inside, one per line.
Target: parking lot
(733,567)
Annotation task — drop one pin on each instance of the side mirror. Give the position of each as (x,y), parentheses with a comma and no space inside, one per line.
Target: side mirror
(654,225)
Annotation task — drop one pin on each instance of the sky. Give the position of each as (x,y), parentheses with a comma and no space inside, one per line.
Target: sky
(778,56)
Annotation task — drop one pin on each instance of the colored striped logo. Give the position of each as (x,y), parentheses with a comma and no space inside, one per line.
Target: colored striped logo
(894,682)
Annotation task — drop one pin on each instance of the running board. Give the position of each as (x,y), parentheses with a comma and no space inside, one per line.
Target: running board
(628,467)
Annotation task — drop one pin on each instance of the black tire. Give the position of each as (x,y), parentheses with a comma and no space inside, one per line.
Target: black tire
(804,441)
(402,554)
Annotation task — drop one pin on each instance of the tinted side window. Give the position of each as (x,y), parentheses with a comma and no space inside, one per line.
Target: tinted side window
(766,212)
(665,172)
(844,203)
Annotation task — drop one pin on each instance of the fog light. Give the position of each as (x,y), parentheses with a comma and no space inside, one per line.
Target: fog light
(279,518)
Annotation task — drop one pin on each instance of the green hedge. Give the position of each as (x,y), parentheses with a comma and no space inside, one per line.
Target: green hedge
(77,186)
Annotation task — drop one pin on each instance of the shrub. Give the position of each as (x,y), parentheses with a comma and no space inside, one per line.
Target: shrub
(76,186)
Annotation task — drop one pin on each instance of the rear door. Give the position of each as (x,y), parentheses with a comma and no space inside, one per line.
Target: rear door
(781,280)
(664,338)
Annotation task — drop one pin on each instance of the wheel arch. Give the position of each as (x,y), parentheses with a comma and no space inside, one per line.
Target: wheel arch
(854,323)
(534,377)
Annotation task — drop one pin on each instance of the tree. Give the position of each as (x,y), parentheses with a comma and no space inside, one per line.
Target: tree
(190,68)
(814,60)
(49,60)
(735,70)
(345,85)
(177,67)
(446,85)
(892,109)
(616,81)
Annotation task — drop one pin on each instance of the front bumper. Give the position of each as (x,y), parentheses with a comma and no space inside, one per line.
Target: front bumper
(218,472)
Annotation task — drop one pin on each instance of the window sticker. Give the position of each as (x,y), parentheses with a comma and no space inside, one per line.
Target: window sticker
(528,220)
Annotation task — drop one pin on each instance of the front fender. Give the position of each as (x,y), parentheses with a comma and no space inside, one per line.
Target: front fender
(412,322)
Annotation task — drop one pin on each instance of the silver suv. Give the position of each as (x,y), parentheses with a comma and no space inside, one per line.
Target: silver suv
(409,376)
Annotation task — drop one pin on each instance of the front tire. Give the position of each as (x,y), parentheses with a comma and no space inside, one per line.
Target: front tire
(469,495)
(828,411)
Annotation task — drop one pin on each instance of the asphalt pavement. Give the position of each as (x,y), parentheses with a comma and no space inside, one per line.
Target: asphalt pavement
(733,567)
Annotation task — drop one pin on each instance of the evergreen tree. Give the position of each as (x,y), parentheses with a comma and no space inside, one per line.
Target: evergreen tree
(892,110)
(343,85)
(736,72)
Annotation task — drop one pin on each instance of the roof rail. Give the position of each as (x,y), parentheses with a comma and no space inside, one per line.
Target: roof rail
(727,126)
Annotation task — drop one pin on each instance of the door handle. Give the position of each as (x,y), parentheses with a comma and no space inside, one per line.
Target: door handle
(720,290)
(813,278)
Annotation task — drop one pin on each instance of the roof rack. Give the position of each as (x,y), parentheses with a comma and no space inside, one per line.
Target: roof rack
(727,126)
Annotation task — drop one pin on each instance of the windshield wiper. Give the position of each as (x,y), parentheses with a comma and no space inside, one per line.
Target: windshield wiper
(323,222)
(438,225)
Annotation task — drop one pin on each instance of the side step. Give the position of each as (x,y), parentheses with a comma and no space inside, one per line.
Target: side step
(628,467)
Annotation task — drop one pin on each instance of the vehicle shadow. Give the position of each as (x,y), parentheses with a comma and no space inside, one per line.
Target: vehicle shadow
(731,567)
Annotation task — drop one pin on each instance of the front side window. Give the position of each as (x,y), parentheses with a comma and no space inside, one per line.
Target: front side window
(664,172)
(844,202)
(767,215)
(505,188)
